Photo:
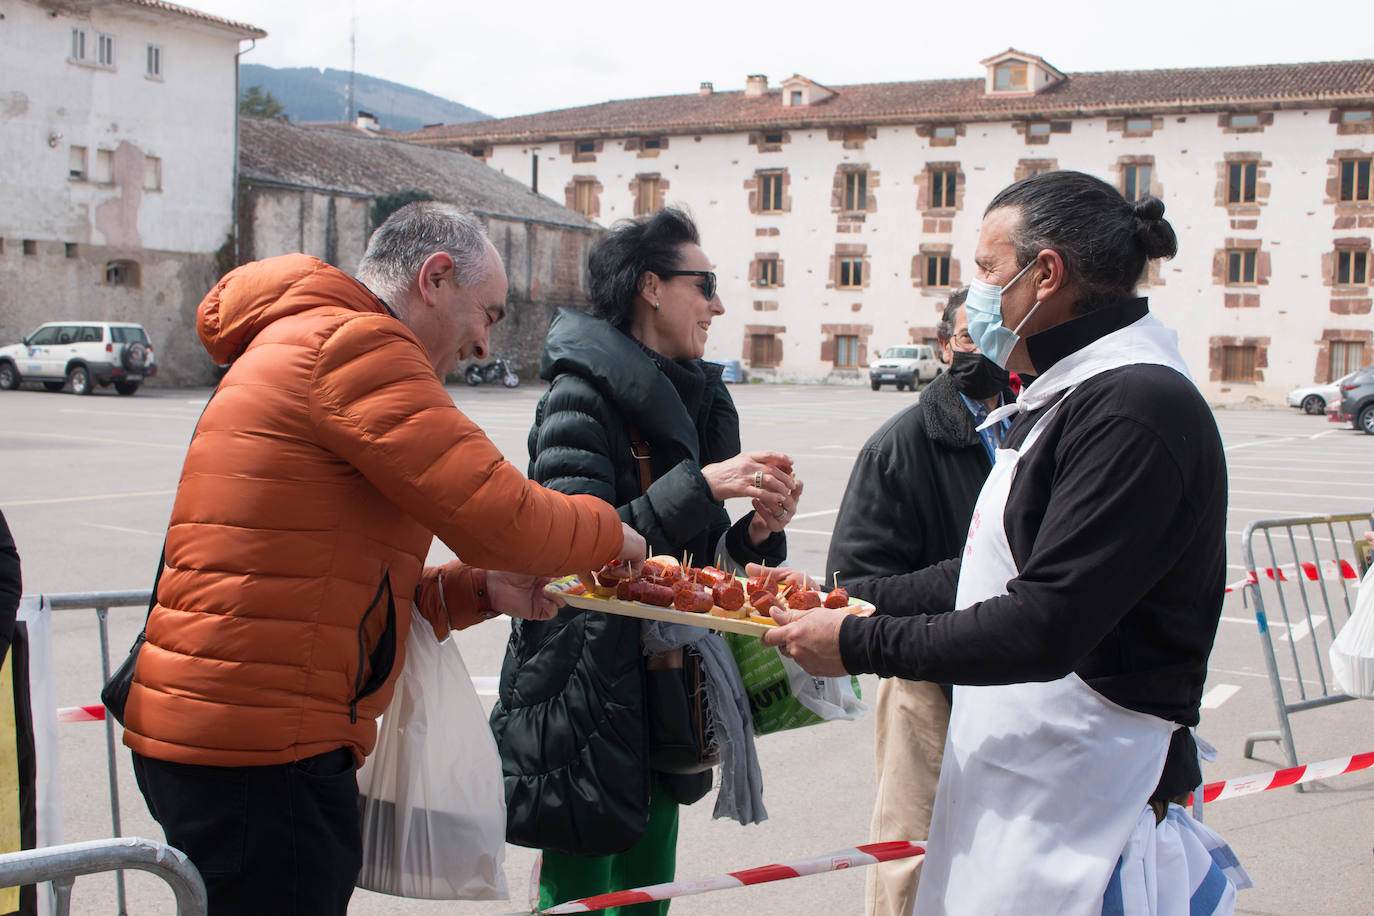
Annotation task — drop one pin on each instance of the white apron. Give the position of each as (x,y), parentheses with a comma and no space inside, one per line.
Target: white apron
(1042,783)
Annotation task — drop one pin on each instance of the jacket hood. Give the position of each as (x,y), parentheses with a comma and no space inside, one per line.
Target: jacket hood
(588,346)
(251,297)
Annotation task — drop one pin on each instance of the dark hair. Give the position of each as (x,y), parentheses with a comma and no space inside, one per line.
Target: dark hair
(945,329)
(1104,239)
(620,257)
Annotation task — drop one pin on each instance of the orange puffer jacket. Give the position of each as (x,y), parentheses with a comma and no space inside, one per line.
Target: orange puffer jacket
(315,477)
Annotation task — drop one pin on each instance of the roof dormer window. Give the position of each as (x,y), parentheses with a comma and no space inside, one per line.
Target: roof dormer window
(798,92)
(1011,75)
(1015,72)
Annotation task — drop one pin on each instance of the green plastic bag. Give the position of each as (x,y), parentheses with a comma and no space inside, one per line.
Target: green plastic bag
(783,696)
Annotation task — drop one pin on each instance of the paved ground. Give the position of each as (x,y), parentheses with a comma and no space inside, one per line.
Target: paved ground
(88,484)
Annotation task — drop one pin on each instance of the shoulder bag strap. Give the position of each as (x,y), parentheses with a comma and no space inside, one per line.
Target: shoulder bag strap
(639,450)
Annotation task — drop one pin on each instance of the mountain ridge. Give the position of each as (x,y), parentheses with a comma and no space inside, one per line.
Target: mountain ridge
(316,94)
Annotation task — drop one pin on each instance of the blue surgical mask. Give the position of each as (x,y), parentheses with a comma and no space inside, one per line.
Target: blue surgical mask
(984,307)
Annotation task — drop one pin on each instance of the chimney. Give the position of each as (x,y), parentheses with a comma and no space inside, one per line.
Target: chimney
(367,121)
(706,89)
(755,84)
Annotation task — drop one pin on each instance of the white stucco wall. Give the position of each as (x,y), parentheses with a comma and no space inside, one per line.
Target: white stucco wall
(186,119)
(708,175)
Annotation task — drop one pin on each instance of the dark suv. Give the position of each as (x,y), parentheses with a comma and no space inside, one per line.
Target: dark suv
(1357,399)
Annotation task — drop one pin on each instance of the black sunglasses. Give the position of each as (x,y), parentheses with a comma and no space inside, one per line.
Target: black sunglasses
(708,288)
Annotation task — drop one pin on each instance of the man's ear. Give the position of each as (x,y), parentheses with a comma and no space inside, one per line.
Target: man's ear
(1053,275)
(437,268)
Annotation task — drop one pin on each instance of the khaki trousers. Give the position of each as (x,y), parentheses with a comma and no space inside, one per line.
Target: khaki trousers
(910,724)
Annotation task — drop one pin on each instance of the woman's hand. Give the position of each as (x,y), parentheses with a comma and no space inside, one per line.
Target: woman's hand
(772,515)
(782,575)
(760,475)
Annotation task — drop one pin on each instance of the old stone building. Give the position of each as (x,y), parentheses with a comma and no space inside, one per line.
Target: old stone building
(117,125)
(312,189)
(840,217)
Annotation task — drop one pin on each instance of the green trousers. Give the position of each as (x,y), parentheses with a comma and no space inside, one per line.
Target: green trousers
(650,861)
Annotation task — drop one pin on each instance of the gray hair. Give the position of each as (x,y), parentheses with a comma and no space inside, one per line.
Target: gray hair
(945,330)
(399,247)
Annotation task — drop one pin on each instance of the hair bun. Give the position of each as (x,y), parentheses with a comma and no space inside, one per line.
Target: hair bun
(1152,230)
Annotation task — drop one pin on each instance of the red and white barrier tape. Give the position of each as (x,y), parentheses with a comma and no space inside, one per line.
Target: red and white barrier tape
(81,714)
(868,854)
(881,852)
(1327,569)
(1277,779)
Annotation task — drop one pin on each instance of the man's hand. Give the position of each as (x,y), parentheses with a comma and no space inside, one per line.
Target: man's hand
(633,549)
(522,596)
(810,638)
(780,575)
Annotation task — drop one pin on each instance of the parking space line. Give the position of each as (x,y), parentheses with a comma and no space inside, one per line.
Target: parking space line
(78,499)
(1283,493)
(815,514)
(151,534)
(1241,445)
(812,531)
(1218,695)
(181,447)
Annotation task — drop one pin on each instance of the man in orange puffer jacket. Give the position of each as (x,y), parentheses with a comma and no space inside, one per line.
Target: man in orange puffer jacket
(325,462)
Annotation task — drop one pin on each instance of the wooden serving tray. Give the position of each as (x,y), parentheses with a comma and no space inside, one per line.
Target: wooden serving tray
(563,588)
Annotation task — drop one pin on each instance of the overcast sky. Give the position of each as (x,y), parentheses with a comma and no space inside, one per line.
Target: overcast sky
(509,58)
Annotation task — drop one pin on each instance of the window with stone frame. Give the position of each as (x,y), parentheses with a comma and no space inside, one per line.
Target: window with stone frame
(1354,183)
(767,271)
(1238,363)
(936,271)
(1353,120)
(854,198)
(1352,267)
(1135,180)
(648,194)
(1029,168)
(849,272)
(1242,180)
(846,351)
(944,185)
(583,194)
(581,150)
(765,350)
(1346,357)
(1241,266)
(770,187)
(122,273)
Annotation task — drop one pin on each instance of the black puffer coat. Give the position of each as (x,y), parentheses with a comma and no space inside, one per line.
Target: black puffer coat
(571,719)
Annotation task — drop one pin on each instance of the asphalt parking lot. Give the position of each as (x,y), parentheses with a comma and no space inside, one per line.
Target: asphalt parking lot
(88,486)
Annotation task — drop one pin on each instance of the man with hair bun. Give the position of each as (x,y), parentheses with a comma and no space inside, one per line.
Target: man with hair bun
(1077,620)
(324,465)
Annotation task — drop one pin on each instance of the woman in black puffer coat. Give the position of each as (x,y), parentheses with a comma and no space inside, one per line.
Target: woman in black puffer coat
(571,720)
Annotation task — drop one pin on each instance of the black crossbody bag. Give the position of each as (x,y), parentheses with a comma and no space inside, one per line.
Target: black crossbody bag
(680,739)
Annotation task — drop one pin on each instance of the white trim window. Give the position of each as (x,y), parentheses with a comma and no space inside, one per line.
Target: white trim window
(154,62)
(104,50)
(78,44)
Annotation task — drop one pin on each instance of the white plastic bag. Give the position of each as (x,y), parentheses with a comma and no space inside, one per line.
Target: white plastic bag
(828,697)
(1352,652)
(433,806)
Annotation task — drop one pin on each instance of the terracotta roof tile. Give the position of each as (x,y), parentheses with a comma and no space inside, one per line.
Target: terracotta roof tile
(277,152)
(1092,93)
(249,31)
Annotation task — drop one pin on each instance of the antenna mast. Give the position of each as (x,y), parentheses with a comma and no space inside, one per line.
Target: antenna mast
(352,112)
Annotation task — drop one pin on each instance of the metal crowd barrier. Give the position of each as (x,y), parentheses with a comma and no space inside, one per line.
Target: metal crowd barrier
(63,864)
(101,602)
(1306,569)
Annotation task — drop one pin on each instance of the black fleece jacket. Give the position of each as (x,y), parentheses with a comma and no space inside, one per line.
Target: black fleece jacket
(1116,520)
(570,720)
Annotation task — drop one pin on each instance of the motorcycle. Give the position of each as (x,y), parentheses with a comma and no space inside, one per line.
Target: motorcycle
(497,371)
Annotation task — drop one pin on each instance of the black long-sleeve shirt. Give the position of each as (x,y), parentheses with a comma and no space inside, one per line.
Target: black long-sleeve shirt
(1116,521)
(11,586)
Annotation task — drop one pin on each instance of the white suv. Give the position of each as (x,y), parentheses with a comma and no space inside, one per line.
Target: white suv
(80,355)
(906,367)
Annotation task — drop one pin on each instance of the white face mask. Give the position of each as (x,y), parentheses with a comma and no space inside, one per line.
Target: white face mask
(984,307)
